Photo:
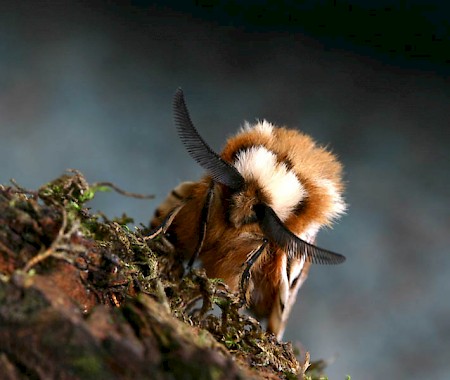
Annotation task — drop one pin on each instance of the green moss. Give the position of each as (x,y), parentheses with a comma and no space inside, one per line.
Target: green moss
(88,367)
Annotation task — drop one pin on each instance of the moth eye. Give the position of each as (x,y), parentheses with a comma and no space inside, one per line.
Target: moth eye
(251,219)
(258,209)
(171,237)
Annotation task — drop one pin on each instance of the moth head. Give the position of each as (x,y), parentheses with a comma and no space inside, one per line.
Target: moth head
(242,203)
(255,184)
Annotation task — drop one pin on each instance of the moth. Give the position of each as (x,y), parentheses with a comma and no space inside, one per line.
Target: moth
(253,218)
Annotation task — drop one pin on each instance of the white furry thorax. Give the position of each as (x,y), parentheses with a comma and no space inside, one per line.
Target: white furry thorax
(275,179)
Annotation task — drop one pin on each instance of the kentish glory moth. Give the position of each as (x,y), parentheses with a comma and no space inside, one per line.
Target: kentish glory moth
(253,218)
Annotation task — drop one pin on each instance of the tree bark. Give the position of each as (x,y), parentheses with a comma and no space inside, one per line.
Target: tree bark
(83,297)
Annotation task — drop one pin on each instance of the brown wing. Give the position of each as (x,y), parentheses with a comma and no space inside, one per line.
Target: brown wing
(174,199)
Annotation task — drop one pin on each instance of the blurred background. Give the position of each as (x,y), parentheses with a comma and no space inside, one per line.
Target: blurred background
(89,85)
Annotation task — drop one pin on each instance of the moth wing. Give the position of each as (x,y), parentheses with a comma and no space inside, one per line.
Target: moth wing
(174,199)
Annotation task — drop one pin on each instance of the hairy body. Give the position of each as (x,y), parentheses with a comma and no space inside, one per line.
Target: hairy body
(287,172)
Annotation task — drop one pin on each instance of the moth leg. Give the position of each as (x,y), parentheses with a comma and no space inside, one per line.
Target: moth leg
(293,273)
(203,223)
(243,284)
(165,224)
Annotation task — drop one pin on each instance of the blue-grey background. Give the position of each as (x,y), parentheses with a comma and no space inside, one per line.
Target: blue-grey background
(89,85)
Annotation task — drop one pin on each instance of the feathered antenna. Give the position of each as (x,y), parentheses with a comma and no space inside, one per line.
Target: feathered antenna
(276,232)
(220,170)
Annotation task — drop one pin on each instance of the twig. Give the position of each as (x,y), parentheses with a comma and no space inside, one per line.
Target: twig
(7,249)
(306,363)
(123,192)
(50,250)
(164,226)
(114,300)
(21,190)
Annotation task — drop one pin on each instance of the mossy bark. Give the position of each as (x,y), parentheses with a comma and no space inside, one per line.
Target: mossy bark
(83,297)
